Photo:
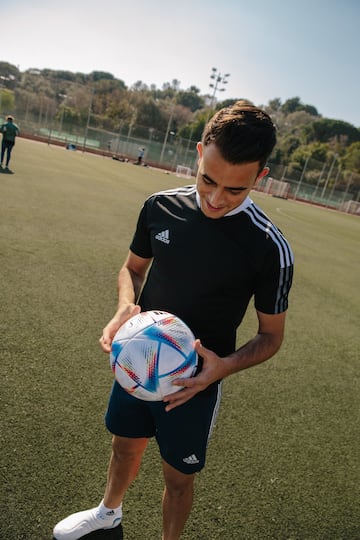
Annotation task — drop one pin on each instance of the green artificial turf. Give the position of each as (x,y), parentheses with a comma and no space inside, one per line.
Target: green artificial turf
(283,462)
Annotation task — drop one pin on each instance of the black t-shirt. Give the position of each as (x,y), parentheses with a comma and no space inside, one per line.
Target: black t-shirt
(206,270)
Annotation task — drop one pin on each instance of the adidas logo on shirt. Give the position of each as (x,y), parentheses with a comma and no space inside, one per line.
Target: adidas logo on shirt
(191,460)
(163,236)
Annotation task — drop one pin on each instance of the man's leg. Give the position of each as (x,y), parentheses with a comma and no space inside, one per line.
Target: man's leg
(123,468)
(8,155)
(124,465)
(2,151)
(177,501)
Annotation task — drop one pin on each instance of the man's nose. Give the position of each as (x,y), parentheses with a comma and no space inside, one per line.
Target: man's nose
(217,197)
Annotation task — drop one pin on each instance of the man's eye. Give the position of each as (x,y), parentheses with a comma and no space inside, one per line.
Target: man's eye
(206,180)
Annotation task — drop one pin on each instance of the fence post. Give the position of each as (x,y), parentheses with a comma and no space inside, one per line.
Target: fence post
(347,188)
(301,177)
(319,180)
(333,187)
(88,119)
(328,176)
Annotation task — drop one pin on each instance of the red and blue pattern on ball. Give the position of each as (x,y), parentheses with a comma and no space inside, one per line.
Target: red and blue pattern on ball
(154,336)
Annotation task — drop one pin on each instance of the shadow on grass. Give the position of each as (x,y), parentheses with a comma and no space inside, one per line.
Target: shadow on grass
(105,534)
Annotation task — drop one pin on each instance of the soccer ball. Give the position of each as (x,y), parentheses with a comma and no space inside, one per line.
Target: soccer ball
(151,350)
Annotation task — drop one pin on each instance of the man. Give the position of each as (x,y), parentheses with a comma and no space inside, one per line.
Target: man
(140,156)
(222,250)
(9,132)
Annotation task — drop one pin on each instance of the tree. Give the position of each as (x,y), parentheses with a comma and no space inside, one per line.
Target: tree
(317,151)
(351,159)
(139,86)
(7,100)
(325,129)
(169,90)
(230,102)
(294,123)
(311,110)
(68,116)
(101,75)
(294,104)
(9,75)
(195,129)
(149,115)
(287,145)
(275,104)
(58,74)
(291,105)
(190,99)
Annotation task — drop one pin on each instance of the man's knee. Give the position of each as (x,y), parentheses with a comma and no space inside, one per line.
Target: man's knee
(177,483)
(126,449)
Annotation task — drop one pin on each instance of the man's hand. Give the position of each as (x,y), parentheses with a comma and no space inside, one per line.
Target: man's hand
(120,317)
(263,346)
(212,370)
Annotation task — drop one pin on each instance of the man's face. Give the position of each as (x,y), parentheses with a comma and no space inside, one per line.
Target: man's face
(222,186)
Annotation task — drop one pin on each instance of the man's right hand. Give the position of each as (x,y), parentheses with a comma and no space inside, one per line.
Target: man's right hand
(121,316)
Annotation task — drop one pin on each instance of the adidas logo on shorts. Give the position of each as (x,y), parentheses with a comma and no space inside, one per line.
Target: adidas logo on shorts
(191,460)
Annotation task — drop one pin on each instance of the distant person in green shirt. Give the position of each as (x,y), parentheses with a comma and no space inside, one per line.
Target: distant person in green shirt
(9,132)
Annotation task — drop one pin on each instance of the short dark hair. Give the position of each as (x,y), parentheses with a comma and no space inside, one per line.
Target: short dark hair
(242,133)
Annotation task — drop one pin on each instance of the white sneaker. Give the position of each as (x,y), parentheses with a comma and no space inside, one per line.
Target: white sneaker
(82,523)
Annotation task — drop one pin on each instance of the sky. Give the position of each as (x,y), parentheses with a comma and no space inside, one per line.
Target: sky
(271,48)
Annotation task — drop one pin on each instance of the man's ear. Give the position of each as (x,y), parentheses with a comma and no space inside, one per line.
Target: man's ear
(261,175)
(199,148)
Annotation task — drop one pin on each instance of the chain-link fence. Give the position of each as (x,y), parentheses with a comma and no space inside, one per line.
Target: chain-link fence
(167,150)
(325,184)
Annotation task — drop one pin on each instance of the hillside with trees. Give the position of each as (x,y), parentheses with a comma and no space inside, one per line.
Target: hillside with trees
(63,98)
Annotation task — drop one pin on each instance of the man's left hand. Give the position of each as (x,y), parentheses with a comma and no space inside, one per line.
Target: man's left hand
(212,370)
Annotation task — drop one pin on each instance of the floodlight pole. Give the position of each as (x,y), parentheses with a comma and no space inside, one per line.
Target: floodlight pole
(218,79)
(169,122)
(167,131)
(188,144)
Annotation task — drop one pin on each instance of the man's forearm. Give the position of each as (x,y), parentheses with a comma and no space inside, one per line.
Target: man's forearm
(129,286)
(257,350)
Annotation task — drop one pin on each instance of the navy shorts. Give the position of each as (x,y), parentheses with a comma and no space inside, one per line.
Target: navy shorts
(182,433)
